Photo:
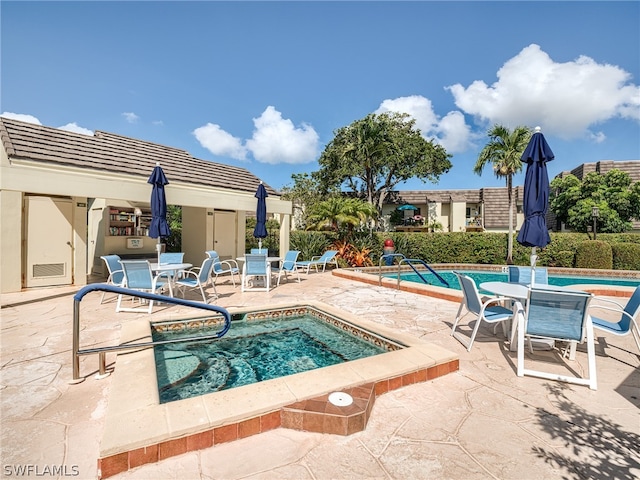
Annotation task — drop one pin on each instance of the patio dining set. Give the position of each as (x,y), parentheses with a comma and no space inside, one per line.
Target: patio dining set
(170,274)
(536,315)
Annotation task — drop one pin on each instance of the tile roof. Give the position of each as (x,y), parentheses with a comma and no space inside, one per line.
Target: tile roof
(110,152)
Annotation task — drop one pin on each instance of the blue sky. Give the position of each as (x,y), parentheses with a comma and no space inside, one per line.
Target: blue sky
(263,85)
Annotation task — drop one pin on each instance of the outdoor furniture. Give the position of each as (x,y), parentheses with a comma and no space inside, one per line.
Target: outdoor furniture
(557,315)
(116,275)
(171,257)
(222,267)
(523,275)
(197,277)
(288,265)
(488,311)
(327,257)
(138,276)
(256,270)
(627,323)
(258,251)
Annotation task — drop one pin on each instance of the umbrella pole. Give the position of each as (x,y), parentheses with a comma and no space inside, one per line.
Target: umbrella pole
(159,248)
(534,259)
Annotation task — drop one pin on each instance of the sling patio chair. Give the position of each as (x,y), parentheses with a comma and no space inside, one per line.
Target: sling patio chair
(256,273)
(288,265)
(485,310)
(628,314)
(556,315)
(138,276)
(327,257)
(223,267)
(197,277)
(116,274)
(522,275)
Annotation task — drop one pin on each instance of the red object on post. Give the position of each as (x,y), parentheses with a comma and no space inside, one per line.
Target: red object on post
(389,248)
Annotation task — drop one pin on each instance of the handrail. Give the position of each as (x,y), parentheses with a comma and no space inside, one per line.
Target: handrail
(384,257)
(410,261)
(77,298)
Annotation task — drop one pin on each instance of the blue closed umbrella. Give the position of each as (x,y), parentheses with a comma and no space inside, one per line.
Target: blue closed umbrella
(534,231)
(159,227)
(260,231)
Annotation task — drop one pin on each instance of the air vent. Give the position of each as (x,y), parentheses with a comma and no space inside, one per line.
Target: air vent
(48,270)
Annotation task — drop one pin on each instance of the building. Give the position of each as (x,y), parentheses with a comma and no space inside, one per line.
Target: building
(486,209)
(67,198)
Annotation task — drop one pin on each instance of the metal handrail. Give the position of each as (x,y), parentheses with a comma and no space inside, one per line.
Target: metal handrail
(384,257)
(410,262)
(103,287)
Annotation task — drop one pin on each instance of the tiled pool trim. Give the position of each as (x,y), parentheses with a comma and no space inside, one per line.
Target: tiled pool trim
(370,275)
(138,429)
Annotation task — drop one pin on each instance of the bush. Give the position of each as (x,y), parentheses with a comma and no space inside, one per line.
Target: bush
(309,244)
(594,254)
(626,256)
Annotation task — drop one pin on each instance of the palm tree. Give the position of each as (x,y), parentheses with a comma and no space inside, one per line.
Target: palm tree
(504,152)
(339,211)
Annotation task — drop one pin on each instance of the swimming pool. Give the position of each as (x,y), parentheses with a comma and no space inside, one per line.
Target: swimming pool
(487,276)
(258,347)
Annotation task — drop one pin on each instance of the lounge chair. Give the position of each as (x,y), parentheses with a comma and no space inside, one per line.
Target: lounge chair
(288,265)
(556,315)
(116,274)
(138,276)
(484,311)
(223,267)
(628,315)
(523,275)
(197,277)
(327,257)
(256,269)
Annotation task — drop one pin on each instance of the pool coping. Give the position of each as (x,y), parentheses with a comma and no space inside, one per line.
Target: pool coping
(370,275)
(138,429)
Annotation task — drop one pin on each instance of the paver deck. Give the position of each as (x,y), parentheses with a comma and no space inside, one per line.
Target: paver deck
(479,422)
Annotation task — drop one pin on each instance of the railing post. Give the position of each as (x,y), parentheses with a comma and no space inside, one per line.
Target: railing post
(75,360)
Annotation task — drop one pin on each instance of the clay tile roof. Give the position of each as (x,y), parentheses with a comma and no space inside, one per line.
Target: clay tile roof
(115,153)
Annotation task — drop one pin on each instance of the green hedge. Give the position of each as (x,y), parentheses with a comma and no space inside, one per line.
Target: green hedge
(571,250)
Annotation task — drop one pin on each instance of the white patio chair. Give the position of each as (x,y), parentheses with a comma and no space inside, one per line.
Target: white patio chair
(138,276)
(256,269)
(223,267)
(197,277)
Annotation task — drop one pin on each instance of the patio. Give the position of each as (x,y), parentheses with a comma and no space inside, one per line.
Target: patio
(480,422)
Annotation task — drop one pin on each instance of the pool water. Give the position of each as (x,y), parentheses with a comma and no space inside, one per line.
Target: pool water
(480,277)
(253,351)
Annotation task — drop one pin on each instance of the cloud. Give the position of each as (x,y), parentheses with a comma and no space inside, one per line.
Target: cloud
(73,127)
(219,142)
(131,117)
(563,98)
(276,140)
(450,131)
(21,117)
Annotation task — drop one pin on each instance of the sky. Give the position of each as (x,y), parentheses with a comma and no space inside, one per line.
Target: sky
(264,85)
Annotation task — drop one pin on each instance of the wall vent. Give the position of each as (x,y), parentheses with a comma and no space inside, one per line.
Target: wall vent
(48,270)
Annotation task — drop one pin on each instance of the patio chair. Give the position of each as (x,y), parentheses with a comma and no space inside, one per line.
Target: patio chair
(116,275)
(523,275)
(485,310)
(327,257)
(557,316)
(255,268)
(171,257)
(197,277)
(627,323)
(223,267)
(259,251)
(288,265)
(138,276)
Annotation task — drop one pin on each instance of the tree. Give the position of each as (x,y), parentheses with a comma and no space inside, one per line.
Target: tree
(304,193)
(504,152)
(373,155)
(617,199)
(339,212)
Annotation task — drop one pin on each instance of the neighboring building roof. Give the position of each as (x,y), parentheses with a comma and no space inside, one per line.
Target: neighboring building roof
(116,153)
(632,167)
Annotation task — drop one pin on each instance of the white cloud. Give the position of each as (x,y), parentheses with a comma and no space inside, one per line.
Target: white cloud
(219,142)
(450,131)
(21,117)
(563,98)
(73,127)
(131,117)
(277,140)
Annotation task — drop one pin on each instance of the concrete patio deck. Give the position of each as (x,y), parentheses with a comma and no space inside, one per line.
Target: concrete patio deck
(479,422)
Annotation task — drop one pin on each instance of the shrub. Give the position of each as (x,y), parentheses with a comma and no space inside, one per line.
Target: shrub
(626,256)
(309,244)
(594,254)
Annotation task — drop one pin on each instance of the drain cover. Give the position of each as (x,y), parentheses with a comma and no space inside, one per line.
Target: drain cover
(340,399)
